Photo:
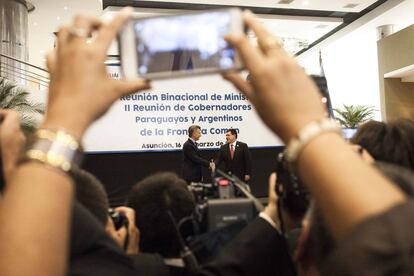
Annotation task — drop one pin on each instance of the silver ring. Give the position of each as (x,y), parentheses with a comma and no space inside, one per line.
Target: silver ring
(78,32)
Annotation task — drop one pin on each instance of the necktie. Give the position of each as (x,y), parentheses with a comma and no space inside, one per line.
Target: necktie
(231,151)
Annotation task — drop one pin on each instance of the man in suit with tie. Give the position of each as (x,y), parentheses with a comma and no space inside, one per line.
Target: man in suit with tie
(192,160)
(234,156)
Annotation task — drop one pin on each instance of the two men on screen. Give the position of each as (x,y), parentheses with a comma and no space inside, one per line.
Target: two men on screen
(233,157)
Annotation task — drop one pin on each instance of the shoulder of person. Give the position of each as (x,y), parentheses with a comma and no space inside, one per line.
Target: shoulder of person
(241,144)
(224,146)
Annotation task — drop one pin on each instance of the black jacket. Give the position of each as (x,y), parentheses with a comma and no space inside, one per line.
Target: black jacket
(192,162)
(241,164)
(257,250)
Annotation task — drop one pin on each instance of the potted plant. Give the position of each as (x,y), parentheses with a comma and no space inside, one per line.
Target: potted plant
(17,98)
(351,116)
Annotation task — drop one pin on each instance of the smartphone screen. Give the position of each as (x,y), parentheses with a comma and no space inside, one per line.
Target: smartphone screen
(185,43)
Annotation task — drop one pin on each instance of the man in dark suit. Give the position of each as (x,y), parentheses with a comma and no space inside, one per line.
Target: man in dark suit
(192,160)
(236,157)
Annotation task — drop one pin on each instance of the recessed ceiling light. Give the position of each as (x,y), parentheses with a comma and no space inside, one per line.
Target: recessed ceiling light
(65,8)
(285,1)
(351,5)
(58,18)
(305,3)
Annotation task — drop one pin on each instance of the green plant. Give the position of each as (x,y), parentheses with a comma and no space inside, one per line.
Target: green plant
(351,116)
(15,97)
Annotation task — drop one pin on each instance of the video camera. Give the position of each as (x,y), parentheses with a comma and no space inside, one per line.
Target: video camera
(223,208)
(218,204)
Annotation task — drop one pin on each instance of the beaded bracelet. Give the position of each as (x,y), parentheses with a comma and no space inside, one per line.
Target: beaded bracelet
(306,134)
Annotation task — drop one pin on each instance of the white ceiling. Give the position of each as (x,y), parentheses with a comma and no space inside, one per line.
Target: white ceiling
(50,14)
(326,5)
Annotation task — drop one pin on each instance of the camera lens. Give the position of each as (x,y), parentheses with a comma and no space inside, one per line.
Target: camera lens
(118,219)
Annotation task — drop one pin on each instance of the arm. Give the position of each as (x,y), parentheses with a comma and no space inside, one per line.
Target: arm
(356,191)
(35,241)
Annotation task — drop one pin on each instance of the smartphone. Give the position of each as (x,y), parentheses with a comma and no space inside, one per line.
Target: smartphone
(179,45)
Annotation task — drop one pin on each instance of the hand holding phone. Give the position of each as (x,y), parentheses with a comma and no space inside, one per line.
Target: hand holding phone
(170,46)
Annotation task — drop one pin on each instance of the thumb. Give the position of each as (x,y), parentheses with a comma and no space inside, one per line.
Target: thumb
(130,86)
(272,185)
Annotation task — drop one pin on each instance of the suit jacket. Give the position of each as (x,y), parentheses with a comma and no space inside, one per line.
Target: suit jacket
(92,251)
(192,162)
(258,250)
(240,165)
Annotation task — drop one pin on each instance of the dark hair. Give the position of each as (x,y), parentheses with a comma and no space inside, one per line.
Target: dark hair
(232,131)
(151,199)
(391,142)
(191,130)
(91,193)
(321,239)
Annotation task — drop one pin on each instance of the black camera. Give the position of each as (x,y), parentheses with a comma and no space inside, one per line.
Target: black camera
(118,219)
(220,214)
(293,196)
(219,205)
(221,188)
(203,191)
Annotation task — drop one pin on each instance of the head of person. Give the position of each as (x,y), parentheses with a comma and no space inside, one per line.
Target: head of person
(320,243)
(152,198)
(194,132)
(91,193)
(391,142)
(231,135)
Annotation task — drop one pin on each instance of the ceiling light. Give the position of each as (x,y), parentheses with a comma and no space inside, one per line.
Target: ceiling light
(65,8)
(305,3)
(58,18)
(350,5)
(285,1)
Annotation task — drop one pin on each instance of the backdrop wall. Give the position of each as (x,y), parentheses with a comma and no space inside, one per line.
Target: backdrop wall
(119,171)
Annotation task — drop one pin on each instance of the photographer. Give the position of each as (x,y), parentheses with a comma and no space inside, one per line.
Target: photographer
(151,199)
(356,192)
(126,235)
